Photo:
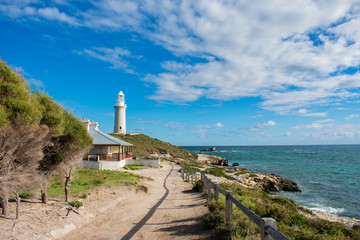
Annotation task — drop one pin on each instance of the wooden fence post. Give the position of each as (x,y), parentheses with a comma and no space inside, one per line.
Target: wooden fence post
(264,223)
(205,184)
(192,176)
(209,191)
(228,207)
(196,177)
(182,172)
(216,193)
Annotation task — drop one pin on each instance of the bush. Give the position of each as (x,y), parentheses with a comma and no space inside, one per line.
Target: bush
(198,186)
(76,204)
(144,188)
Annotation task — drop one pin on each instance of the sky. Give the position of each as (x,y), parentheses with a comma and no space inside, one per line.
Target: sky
(204,72)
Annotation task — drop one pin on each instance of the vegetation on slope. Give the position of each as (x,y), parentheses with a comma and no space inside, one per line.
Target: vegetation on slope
(144,146)
(37,136)
(293,221)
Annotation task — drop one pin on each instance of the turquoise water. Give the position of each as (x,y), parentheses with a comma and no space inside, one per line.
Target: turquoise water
(327,175)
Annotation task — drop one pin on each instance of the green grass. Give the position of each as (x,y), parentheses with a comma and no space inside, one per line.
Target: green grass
(242,172)
(192,165)
(218,172)
(135,167)
(145,145)
(289,218)
(86,179)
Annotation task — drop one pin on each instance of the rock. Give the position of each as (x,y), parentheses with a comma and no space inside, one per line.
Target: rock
(267,182)
(209,149)
(286,184)
(215,160)
(275,183)
(235,164)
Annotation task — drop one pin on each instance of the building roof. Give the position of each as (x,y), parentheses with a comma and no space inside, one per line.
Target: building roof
(101,138)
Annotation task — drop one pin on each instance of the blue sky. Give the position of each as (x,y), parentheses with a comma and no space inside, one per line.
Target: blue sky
(196,72)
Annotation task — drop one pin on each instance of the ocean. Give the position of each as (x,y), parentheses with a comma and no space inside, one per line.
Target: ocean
(328,175)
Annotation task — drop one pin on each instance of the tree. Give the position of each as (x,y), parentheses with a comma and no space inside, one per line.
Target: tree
(37,137)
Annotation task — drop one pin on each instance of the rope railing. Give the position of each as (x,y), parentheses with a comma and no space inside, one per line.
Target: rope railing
(267,225)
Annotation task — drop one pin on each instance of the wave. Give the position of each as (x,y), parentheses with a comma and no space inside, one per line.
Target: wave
(328,210)
(303,151)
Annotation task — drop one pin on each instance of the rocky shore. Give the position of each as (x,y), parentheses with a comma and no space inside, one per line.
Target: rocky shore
(263,181)
(266,182)
(210,159)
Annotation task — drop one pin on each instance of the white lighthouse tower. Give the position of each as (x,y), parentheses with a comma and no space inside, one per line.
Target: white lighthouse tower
(120,117)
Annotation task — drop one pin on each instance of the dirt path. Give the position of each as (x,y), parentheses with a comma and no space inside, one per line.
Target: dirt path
(170,210)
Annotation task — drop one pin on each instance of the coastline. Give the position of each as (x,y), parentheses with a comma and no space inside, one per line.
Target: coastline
(350,222)
(327,174)
(252,182)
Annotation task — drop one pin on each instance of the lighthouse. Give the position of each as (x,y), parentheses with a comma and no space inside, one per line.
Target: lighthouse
(120,117)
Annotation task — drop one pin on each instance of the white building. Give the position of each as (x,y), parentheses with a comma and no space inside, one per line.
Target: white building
(120,116)
(110,153)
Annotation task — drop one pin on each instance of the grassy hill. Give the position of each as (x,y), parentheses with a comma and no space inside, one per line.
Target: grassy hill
(144,146)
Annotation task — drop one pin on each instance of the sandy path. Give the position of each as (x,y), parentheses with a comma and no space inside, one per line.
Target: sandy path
(169,210)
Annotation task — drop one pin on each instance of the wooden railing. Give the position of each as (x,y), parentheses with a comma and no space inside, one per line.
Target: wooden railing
(267,225)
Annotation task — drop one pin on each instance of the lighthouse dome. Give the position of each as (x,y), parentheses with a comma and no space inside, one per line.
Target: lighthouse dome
(120,100)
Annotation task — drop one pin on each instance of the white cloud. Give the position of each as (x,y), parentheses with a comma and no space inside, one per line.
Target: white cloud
(315,124)
(257,116)
(334,133)
(291,54)
(260,51)
(219,124)
(54,14)
(175,125)
(113,56)
(288,134)
(21,9)
(351,116)
(263,125)
(325,121)
(35,82)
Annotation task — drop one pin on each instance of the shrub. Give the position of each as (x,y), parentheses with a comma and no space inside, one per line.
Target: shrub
(198,186)
(144,188)
(76,204)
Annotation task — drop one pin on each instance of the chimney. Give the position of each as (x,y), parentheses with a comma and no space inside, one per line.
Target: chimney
(93,125)
(86,123)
